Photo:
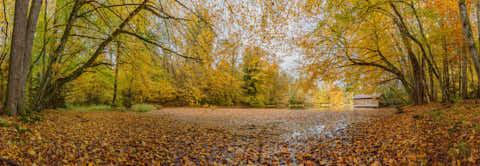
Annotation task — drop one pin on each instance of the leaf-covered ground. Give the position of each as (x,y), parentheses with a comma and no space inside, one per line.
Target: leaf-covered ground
(432,135)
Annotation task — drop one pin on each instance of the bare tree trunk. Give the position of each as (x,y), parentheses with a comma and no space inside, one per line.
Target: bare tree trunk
(115,82)
(17,52)
(29,39)
(478,28)
(21,52)
(478,19)
(471,77)
(468,37)
(419,79)
(433,93)
(464,77)
(446,78)
(459,79)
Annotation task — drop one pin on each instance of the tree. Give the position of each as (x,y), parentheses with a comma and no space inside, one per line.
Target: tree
(24,29)
(396,37)
(469,40)
(92,13)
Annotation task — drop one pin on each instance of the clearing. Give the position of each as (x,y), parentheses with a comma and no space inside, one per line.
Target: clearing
(201,136)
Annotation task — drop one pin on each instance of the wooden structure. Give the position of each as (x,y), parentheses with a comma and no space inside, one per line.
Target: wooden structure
(367,101)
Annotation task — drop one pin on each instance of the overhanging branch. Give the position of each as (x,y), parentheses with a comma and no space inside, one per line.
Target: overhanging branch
(158,45)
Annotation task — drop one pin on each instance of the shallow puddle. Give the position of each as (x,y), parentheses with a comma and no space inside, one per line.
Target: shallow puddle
(289,124)
(273,134)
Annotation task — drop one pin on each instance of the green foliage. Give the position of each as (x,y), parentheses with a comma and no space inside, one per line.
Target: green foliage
(456,99)
(143,107)
(255,101)
(263,82)
(30,118)
(296,97)
(394,96)
(295,100)
(220,71)
(296,106)
(91,89)
(20,129)
(3,123)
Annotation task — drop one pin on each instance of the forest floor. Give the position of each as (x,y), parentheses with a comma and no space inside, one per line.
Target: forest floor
(431,135)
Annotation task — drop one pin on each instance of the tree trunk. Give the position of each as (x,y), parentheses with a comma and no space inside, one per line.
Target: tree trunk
(464,77)
(49,86)
(17,53)
(446,75)
(469,39)
(446,80)
(115,82)
(419,82)
(419,88)
(29,39)
(478,28)
(44,96)
(433,93)
(21,53)
(472,80)
(478,19)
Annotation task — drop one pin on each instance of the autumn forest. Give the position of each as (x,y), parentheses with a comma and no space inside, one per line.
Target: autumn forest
(240,82)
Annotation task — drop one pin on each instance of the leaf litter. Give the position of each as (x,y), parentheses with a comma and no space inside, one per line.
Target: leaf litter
(431,135)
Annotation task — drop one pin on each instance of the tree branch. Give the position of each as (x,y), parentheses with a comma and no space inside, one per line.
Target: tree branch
(75,74)
(86,36)
(165,15)
(198,16)
(158,45)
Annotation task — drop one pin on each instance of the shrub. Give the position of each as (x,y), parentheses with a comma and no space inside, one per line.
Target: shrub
(143,107)
(456,99)
(394,97)
(296,106)
(256,102)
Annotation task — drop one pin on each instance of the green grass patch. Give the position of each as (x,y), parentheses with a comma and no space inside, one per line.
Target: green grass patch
(136,108)
(89,107)
(143,107)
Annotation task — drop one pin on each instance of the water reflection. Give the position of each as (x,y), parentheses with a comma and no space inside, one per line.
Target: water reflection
(330,121)
(318,131)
